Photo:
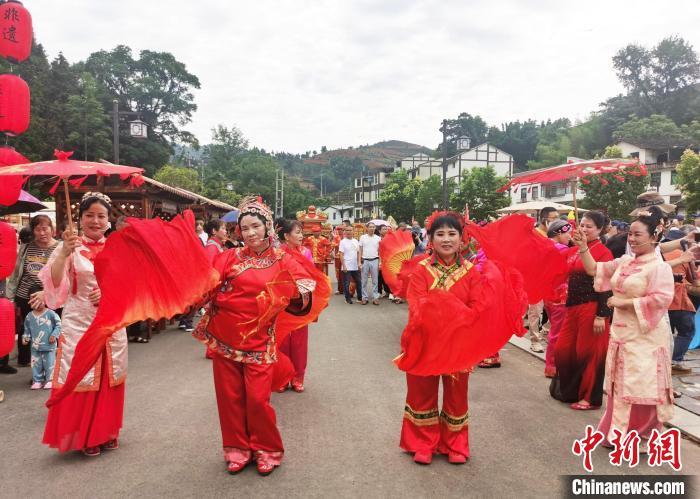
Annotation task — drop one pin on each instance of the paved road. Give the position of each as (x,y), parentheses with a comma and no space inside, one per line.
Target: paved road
(341,436)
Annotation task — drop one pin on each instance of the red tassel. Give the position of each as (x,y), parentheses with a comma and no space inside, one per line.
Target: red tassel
(124,176)
(604,181)
(136,181)
(77,182)
(585,181)
(53,189)
(619,178)
(62,155)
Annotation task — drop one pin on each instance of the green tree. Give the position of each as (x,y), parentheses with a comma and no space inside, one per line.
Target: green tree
(608,194)
(88,132)
(479,190)
(553,144)
(158,88)
(662,79)
(517,139)
(612,152)
(429,197)
(689,179)
(398,198)
(465,124)
(656,128)
(178,176)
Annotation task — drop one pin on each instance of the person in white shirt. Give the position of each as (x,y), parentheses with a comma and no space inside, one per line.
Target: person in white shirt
(201,233)
(349,250)
(369,256)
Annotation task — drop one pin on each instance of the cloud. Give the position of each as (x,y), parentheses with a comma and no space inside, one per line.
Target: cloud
(295,75)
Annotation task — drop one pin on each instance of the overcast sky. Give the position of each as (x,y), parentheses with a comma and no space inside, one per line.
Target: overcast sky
(295,75)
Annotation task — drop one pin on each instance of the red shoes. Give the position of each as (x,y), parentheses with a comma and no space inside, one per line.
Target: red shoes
(265,468)
(423,457)
(298,385)
(91,451)
(426,457)
(111,445)
(234,467)
(577,406)
(491,362)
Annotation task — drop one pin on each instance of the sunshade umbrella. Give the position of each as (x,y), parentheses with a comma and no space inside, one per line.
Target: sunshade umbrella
(64,168)
(25,204)
(231,217)
(378,222)
(572,172)
(536,206)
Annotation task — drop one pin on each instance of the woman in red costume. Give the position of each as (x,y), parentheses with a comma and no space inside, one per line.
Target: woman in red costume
(88,419)
(296,344)
(259,284)
(581,348)
(426,430)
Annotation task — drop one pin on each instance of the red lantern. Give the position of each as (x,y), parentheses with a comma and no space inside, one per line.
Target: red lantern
(8,250)
(7,326)
(14,104)
(9,157)
(15,31)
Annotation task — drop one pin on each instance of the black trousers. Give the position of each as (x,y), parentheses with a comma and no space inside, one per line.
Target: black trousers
(355,276)
(383,287)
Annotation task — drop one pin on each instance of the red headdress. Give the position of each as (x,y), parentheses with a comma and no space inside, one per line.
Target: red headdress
(255,205)
(436,214)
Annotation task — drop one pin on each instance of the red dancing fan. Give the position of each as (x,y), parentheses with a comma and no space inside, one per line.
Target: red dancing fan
(152,269)
(395,248)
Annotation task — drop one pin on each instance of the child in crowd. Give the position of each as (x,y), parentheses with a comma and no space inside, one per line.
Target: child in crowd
(42,326)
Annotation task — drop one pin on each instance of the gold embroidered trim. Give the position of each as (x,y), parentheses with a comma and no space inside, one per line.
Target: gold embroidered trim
(446,277)
(421,418)
(454,423)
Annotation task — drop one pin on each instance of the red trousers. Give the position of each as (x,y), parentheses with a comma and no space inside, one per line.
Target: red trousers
(556,314)
(425,429)
(296,347)
(247,419)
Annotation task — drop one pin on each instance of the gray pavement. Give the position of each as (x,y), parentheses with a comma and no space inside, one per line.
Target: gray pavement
(341,435)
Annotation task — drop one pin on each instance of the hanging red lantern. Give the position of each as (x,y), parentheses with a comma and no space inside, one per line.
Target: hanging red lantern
(8,250)
(9,157)
(7,326)
(15,31)
(14,104)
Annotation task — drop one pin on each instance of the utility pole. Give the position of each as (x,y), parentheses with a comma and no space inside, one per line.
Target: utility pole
(321,184)
(115,130)
(443,129)
(279,193)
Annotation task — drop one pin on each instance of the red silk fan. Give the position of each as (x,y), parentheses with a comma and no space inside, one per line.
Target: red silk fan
(395,249)
(7,326)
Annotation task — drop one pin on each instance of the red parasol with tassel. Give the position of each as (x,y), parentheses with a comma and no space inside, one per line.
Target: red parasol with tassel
(65,168)
(575,171)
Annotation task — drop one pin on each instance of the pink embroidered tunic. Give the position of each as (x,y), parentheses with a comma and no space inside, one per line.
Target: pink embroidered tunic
(78,312)
(638,365)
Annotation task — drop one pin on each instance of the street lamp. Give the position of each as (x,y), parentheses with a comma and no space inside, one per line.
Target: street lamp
(137,128)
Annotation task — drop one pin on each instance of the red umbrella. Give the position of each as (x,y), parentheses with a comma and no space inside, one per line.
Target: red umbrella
(64,168)
(572,172)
